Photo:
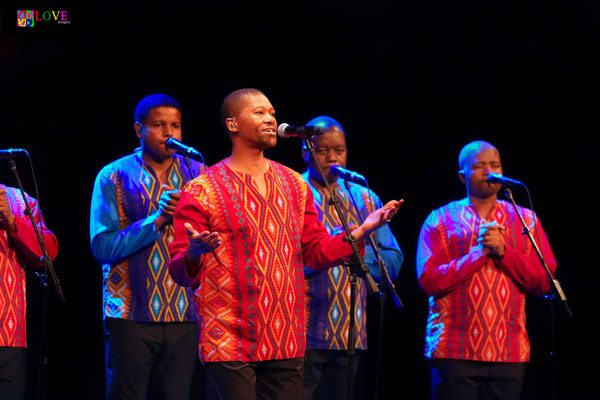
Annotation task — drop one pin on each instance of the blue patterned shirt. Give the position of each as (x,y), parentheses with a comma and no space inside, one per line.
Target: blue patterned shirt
(134,255)
(328,291)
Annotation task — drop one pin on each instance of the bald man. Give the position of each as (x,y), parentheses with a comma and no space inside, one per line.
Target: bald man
(476,266)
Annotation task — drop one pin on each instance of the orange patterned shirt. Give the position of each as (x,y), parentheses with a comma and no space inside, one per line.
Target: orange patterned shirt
(250,291)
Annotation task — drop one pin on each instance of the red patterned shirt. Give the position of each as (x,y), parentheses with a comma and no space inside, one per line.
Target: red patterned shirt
(250,290)
(476,304)
(17,250)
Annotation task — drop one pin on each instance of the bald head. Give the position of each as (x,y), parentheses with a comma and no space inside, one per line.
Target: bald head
(470,150)
(326,123)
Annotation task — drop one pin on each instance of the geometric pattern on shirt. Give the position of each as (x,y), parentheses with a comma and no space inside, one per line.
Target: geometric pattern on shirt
(157,297)
(328,292)
(488,293)
(10,302)
(251,299)
(271,232)
(13,302)
(489,304)
(159,283)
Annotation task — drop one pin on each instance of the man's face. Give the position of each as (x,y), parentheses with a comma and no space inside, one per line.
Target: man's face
(476,171)
(162,123)
(330,149)
(256,126)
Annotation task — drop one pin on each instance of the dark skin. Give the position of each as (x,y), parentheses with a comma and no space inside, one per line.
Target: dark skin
(161,124)
(330,149)
(7,218)
(252,131)
(484,196)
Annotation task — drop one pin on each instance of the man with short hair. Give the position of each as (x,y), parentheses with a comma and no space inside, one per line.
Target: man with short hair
(476,266)
(243,231)
(328,291)
(150,321)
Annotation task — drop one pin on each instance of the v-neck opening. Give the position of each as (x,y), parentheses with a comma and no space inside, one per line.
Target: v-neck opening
(248,178)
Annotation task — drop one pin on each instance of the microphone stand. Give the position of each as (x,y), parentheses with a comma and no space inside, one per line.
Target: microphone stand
(370,282)
(49,268)
(388,288)
(554,284)
(556,291)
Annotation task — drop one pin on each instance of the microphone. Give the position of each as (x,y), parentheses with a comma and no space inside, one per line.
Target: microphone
(8,153)
(184,150)
(348,175)
(497,178)
(286,131)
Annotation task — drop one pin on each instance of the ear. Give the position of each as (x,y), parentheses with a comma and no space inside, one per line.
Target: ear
(461,176)
(231,125)
(138,129)
(305,154)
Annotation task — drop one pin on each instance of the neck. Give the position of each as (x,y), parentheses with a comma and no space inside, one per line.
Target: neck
(317,180)
(484,206)
(249,161)
(159,166)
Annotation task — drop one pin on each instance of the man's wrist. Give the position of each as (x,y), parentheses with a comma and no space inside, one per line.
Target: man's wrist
(192,263)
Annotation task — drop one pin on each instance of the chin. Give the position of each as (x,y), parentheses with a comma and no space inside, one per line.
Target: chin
(267,144)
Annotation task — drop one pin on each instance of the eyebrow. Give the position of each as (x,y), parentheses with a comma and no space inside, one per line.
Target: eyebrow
(270,108)
(487,162)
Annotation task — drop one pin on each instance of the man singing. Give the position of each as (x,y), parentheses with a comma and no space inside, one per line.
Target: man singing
(476,266)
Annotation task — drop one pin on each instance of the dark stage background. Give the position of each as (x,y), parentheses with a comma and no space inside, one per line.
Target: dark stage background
(411,81)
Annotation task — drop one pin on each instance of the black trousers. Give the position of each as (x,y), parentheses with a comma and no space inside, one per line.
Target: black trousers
(153,360)
(463,379)
(326,374)
(261,380)
(13,362)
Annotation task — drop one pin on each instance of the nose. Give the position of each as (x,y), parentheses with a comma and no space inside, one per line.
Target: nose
(331,155)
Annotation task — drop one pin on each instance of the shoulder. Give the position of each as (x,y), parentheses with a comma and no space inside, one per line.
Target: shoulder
(509,209)
(15,198)
(184,162)
(204,180)
(286,173)
(14,193)
(437,214)
(280,168)
(361,190)
(120,166)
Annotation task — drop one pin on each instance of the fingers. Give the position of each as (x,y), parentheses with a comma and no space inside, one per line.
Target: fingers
(170,191)
(491,226)
(190,229)
(169,199)
(203,242)
(391,208)
(490,238)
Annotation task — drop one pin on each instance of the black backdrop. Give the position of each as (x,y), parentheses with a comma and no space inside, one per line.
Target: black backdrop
(412,82)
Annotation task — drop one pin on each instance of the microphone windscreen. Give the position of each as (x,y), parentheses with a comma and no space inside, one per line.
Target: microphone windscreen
(281,130)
